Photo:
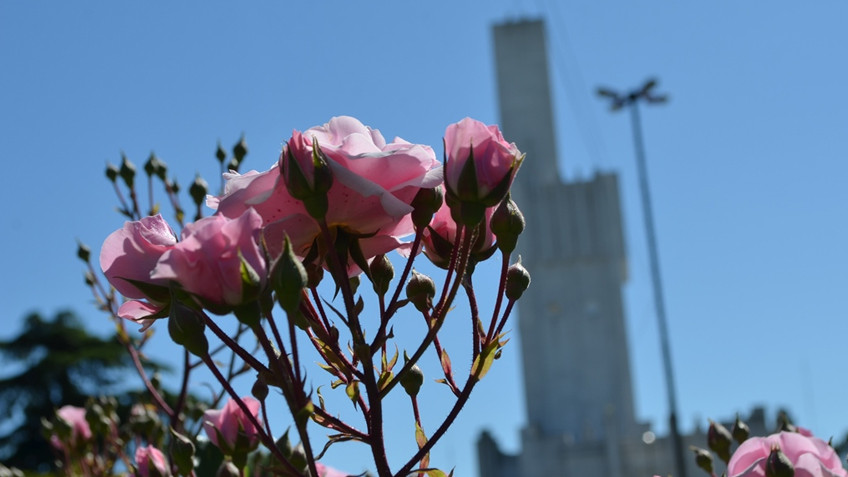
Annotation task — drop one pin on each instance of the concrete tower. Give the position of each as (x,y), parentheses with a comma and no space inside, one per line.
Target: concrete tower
(571,321)
(576,364)
(580,413)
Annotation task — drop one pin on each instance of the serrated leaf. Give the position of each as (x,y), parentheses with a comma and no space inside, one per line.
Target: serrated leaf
(421,440)
(306,412)
(393,360)
(385,378)
(446,363)
(398,305)
(484,360)
(332,439)
(430,472)
(328,369)
(320,397)
(360,305)
(334,363)
(337,312)
(352,391)
(420,437)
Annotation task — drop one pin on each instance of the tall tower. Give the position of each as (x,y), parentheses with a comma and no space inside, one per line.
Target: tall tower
(580,416)
(576,364)
(571,321)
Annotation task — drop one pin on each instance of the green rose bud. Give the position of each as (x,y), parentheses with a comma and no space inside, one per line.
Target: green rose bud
(412,380)
(719,440)
(382,273)
(517,280)
(507,224)
(186,327)
(704,459)
(778,465)
(288,278)
(420,291)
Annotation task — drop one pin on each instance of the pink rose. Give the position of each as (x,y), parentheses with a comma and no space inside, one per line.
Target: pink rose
(151,462)
(325,471)
(440,236)
(208,260)
(811,456)
(373,184)
(130,254)
(229,428)
(74,417)
(495,162)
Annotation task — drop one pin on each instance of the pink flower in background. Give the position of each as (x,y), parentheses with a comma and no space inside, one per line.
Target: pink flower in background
(811,456)
(74,417)
(373,184)
(325,471)
(495,161)
(440,235)
(131,252)
(150,458)
(224,426)
(207,261)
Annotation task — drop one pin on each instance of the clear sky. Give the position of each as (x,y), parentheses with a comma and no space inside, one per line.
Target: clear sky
(747,162)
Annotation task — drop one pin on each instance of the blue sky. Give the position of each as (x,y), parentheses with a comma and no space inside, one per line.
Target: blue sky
(747,162)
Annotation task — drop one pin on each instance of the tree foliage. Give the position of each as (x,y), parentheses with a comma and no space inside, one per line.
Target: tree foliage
(53,363)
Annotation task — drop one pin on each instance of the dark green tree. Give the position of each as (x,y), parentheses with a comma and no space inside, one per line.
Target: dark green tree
(54,363)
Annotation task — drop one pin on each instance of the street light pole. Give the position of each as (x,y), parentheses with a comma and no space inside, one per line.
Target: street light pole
(631,101)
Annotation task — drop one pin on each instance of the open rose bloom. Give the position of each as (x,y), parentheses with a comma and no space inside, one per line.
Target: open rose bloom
(811,456)
(229,427)
(373,185)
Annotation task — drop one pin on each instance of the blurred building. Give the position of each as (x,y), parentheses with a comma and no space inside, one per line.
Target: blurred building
(577,384)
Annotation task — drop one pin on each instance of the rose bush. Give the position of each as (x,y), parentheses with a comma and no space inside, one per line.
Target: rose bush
(339,197)
(811,456)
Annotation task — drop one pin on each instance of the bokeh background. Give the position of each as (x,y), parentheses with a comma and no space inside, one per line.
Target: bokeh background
(748,161)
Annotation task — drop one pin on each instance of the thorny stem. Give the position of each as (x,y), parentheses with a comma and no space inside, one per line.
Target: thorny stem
(292,390)
(241,352)
(475,318)
(460,402)
(505,316)
(178,408)
(439,352)
(460,258)
(375,414)
(499,297)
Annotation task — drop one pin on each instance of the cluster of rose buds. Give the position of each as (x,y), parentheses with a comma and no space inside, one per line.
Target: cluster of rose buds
(338,200)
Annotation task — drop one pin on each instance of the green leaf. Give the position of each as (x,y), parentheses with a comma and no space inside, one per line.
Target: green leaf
(484,360)
(446,363)
(385,378)
(352,391)
(421,439)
